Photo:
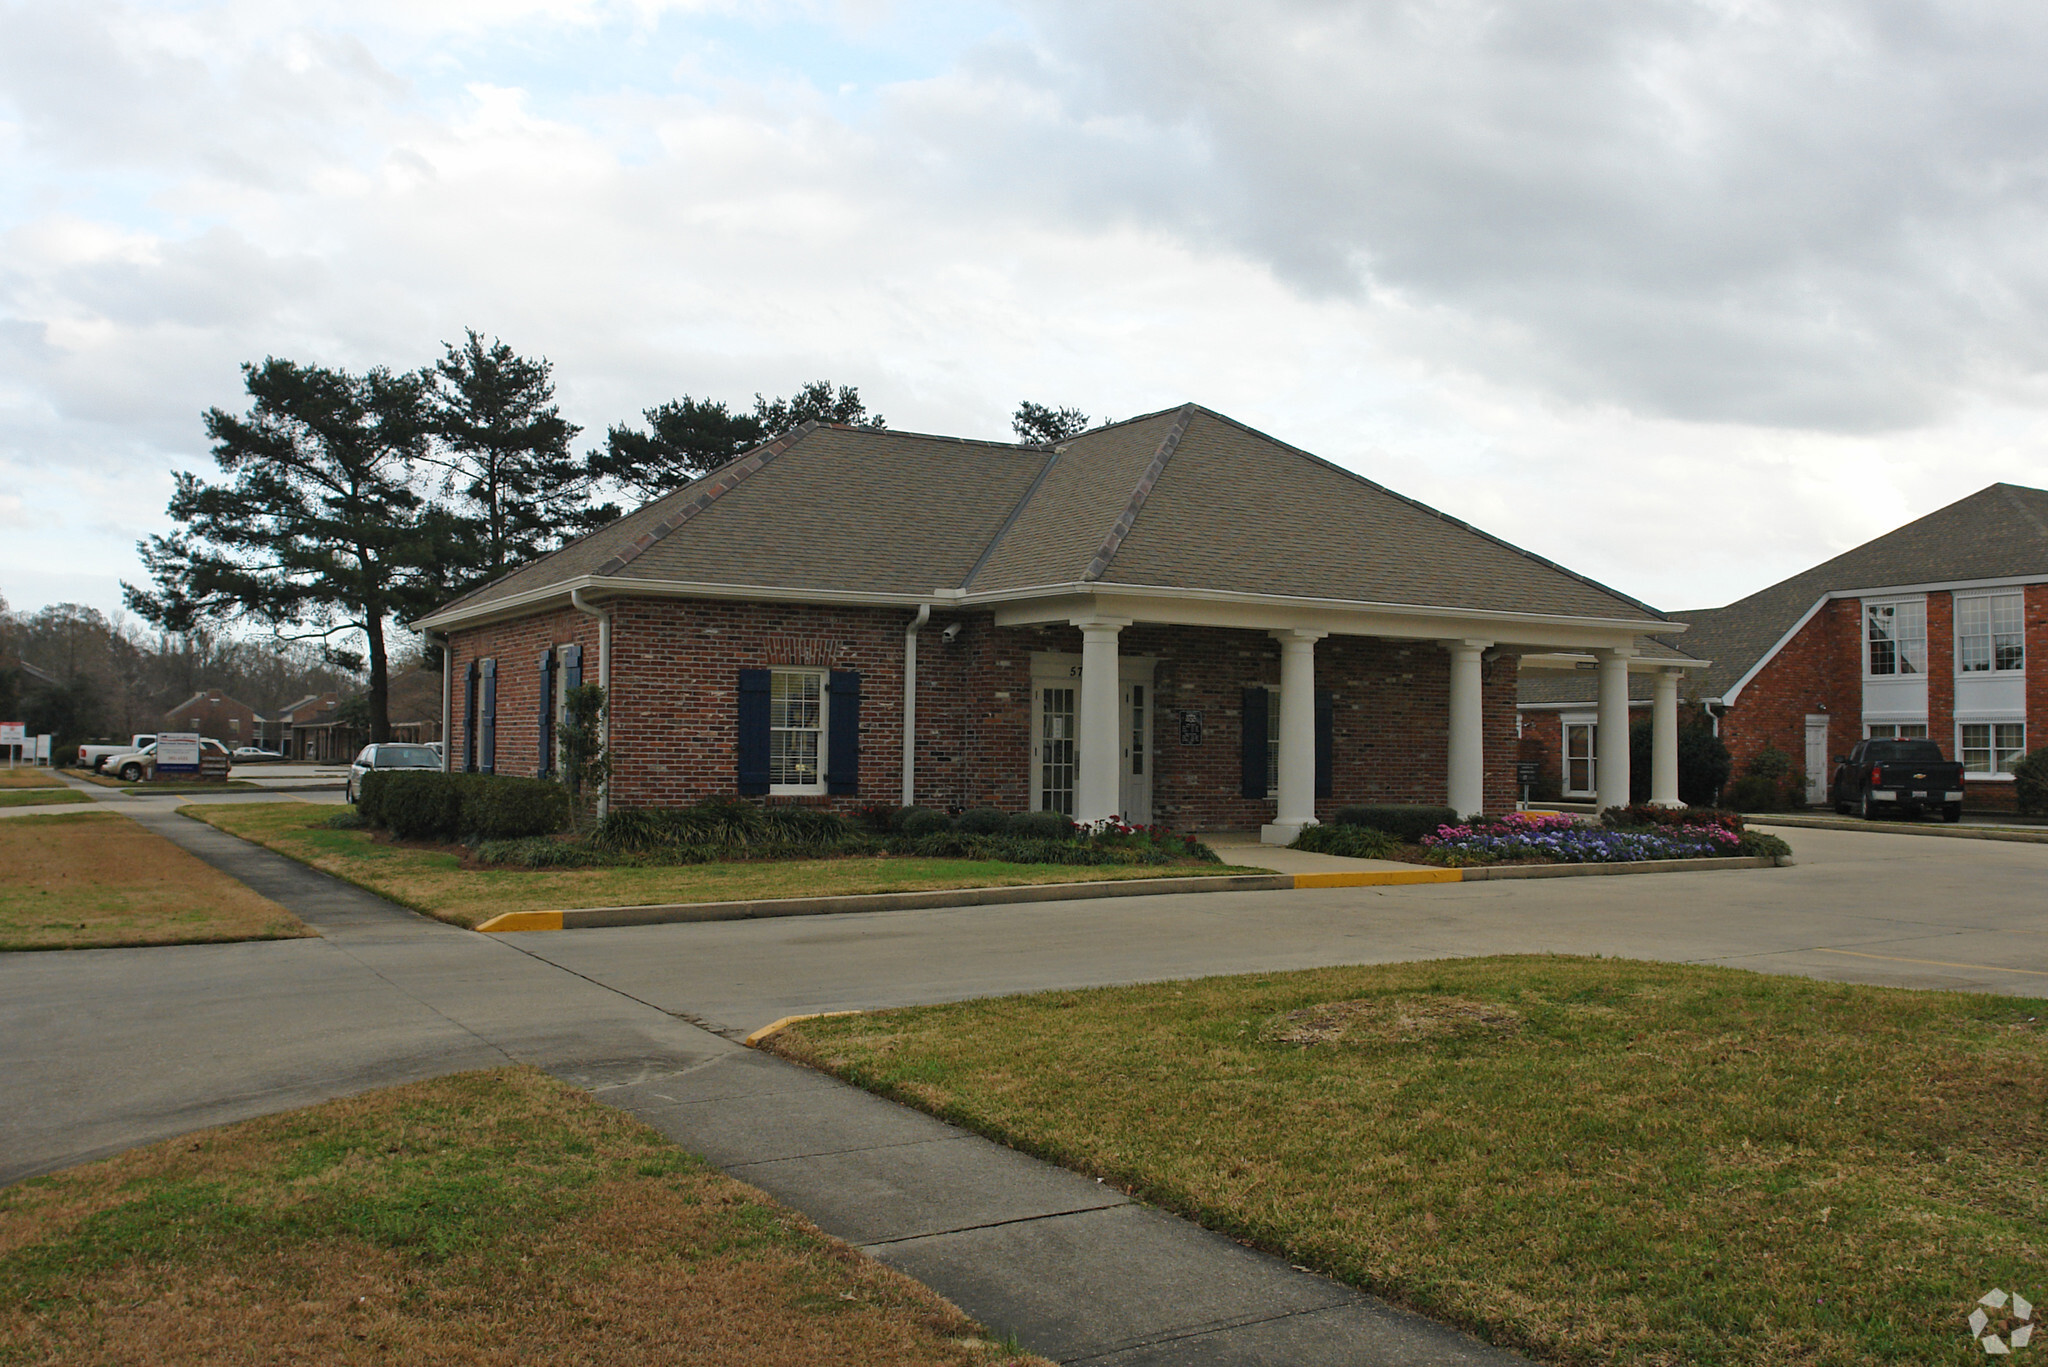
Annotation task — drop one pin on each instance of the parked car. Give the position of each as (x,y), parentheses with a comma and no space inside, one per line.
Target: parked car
(1903,777)
(95,757)
(383,757)
(248,753)
(135,765)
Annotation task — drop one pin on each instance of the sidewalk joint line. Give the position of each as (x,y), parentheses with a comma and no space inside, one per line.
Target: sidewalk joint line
(1225,1326)
(996,1224)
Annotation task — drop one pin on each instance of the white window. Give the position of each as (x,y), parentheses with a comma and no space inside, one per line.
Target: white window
(1990,636)
(1056,752)
(1895,637)
(1884,730)
(1579,757)
(1991,747)
(796,731)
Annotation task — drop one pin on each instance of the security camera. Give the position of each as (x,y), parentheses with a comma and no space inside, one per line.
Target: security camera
(951,632)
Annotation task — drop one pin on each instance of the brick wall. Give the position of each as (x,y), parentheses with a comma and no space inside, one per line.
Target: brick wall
(1819,670)
(218,717)
(675,676)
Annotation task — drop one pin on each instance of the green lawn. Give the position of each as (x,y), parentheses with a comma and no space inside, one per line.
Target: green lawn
(40,797)
(436,881)
(169,787)
(496,1217)
(1591,1161)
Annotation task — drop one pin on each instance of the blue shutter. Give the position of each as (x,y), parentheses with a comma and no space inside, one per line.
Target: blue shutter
(1254,751)
(489,725)
(469,698)
(547,714)
(752,747)
(1326,741)
(842,732)
(572,667)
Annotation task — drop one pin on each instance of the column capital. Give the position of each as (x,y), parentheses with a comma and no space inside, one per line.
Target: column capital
(1297,636)
(1671,673)
(1098,624)
(1622,653)
(1458,643)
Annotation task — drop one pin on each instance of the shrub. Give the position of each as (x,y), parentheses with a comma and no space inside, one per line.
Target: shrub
(370,797)
(805,825)
(883,818)
(1041,826)
(943,844)
(1645,815)
(499,807)
(1406,822)
(347,819)
(2030,782)
(982,821)
(920,821)
(1763,844)
(1703,761)
(420,804)
(1353,842)
(540,853)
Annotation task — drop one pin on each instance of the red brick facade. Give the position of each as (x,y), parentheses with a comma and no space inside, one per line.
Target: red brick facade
(675,676)
(217,717)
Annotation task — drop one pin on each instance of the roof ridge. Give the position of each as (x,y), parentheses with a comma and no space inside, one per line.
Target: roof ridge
(1122,527)
(988,551)
(1439,514)
(711,488)
(2011,492)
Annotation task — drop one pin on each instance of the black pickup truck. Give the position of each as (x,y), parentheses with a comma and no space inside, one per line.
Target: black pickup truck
(1897,777)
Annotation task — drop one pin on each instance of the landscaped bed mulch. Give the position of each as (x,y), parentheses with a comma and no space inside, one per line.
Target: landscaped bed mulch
(1592,1161)
(96,880)
(447,882)
(485,1218)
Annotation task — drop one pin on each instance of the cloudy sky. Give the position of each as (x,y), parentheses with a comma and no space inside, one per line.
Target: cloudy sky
(1687,294)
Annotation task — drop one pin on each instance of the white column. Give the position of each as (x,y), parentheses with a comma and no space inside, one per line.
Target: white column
(1097,791)
(1611,744)
(1297,797)
(1664,739)
(1465,787)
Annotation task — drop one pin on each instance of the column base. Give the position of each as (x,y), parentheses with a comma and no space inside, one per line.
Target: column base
(1283,832)
(1672,803)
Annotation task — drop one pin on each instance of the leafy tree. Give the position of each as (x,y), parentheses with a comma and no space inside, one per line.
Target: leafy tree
(586,767)
(322,533)
(688,438)
(503,448)
(1034,422)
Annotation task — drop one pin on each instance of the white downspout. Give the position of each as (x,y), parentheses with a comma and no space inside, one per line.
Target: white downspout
(447,693)
(604,681)
(924,614)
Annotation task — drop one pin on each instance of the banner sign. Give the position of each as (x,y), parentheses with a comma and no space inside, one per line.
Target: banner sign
(177,752)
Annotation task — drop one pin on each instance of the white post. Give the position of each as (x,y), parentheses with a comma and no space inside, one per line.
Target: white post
(1097,792)
(1465,785)
(1664,739)
(1296,807)
(1610,745)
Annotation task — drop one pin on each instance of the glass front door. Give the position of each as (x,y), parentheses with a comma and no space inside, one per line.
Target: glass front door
(1578,758)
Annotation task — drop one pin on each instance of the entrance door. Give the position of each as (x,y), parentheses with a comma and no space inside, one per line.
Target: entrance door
(1579,762)
(1135,796)
(1817,760)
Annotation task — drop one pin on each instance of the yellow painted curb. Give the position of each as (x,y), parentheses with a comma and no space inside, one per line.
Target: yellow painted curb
(1378,878)
(522,920)
(777,1027)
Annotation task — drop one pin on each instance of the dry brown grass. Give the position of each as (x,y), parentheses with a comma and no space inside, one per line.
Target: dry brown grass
(94,880)
(40,797)
(487,1218)
(29,778)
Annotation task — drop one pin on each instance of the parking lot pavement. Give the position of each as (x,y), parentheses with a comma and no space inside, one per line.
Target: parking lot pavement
(1854,907)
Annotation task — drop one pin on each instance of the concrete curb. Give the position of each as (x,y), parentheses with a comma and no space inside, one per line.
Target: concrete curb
(1946,832)
(593,918)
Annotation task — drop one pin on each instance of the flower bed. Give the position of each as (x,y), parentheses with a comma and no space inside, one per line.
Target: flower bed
(1628,835)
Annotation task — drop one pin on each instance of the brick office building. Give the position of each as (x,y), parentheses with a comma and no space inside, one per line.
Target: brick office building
(1174,618)
(216,716)
(1934,630)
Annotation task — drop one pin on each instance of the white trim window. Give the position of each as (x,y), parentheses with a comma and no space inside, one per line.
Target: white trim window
(796,731)
(1989,748)
(1990,634)
(1581,754)
(1895,638)
(1887,730)
(1057,724)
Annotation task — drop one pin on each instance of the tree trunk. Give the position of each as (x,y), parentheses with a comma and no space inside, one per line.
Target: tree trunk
(380,679)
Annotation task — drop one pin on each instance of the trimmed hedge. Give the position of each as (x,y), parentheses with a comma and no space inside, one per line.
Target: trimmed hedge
(421,804)
(982,821)
(723,824)
(919,821)
(1042,826)
(1404,821)
(2030,782)
(1643,814)
(1353,842)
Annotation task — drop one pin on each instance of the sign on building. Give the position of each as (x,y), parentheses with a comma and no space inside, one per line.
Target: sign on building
(177,752)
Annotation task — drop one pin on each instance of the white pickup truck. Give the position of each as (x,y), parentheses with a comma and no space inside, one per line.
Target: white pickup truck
(93,756)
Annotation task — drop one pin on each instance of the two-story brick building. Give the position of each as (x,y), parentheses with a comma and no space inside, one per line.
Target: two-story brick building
(216,716)
(1934,630)
(1174,618)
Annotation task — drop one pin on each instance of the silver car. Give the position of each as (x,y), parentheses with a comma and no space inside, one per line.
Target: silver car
(380,757)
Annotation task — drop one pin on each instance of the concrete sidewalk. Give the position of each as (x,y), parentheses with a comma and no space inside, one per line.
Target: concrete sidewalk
(101,1050)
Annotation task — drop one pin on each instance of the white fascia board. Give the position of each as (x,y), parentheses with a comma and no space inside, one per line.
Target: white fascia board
(1586,705)
(1727,698)
(593,587)
(1223,608)
(1564,662)
(2012,581)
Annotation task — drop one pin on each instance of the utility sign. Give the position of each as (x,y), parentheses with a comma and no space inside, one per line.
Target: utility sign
(1190,727)
(13,733)
(177,752)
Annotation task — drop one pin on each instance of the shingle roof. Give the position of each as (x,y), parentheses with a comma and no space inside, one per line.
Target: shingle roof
(2000,531)
(1183,498)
